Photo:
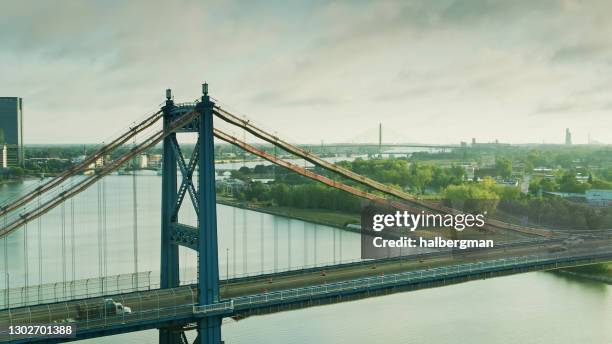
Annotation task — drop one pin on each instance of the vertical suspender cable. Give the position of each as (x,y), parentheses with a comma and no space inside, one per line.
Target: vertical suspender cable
(25,259)
(334,244)
(100,237)
(244,230)
(261,240)
(72,236)
(244,241)
(288,244)
(274,165)
(243,151)
(340,248)
(6,272)
(135,225)
(275,244)
(104,229)
(63,243)
(40,258)
(316,228)
(234,241)
(305,245)
(183,259)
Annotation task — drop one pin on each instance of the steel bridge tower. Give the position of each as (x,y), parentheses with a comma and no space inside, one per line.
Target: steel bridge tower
(204,203)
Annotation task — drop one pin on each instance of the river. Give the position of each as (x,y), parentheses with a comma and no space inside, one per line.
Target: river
(527,308)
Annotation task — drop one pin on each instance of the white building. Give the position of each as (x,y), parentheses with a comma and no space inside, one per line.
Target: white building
(99,162)
(154,160)
(507,182)
(3,158)
(143,161)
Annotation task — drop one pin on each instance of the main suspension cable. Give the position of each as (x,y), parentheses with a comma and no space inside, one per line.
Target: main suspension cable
(85,183)
(21,200)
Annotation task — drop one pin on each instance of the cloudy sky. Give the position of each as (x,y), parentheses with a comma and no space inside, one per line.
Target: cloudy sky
(430,71)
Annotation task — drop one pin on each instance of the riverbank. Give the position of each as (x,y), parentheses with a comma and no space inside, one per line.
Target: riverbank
(597,272)
(15,180)
(319,216)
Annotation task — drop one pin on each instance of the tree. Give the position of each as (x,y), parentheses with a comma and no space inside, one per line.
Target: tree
(601,184)
(568,183)
(535,159)
(280,194)
(259,169)
(503,167)
(473,197)
(420,176)
(16,171)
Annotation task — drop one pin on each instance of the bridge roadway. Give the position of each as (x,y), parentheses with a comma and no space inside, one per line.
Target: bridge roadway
(268,293)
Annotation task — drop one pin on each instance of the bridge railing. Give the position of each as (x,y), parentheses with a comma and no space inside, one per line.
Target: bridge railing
(219,307)
(407,277)
(360,261)
(91,314)
(78,289)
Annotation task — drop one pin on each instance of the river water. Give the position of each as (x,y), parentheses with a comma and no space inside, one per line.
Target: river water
(527,308)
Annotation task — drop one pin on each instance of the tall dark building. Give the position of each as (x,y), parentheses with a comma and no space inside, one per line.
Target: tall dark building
(11,129)
(568,137)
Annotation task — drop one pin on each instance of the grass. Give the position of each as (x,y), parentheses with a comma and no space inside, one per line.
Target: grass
(332,218)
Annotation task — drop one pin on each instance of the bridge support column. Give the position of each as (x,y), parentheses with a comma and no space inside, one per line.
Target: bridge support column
(169,269)
(209,328)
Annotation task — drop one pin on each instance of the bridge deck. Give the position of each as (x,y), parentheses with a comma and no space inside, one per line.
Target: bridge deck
(156,307)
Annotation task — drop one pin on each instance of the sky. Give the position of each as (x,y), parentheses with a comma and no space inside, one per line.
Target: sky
(430,71)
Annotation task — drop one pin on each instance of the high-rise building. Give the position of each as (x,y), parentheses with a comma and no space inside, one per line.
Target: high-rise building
(11,129)
(568,137)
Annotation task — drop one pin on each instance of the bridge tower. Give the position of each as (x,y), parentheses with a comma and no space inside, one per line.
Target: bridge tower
(204,202)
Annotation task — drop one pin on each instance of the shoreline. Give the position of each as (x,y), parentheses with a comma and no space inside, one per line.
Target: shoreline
(286,214)
(592,277)
(17,180)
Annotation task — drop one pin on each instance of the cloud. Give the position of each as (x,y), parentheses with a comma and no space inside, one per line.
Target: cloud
(580,53)
(460,62)
(555,109)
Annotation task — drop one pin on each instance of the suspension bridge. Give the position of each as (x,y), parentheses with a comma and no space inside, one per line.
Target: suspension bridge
(62,226)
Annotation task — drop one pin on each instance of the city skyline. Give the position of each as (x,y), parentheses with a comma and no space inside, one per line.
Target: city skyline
(441,72)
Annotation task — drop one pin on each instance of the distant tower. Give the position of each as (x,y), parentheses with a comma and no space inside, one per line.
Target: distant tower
(380,140)
(568,137)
